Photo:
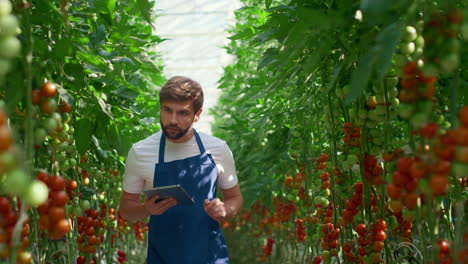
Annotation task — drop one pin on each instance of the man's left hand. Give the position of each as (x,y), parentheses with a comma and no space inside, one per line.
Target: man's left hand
(215,209)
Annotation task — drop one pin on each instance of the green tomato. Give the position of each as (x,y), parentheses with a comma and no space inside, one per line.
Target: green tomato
(36,193)
(391,81)
(9,26)
(405,110)
(9,47)
(7,161)
(85,205)
(50,124)
(449,63)
(419,42)
(325,192)
(408,48)
(40,135)
(5,66)
(16,182)
(418,120)
(77,211)
(410,33)
(5,7)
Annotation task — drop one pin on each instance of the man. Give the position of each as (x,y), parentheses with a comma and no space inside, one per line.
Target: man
(182,234)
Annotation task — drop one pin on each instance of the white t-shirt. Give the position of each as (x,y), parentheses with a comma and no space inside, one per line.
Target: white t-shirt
(142,157)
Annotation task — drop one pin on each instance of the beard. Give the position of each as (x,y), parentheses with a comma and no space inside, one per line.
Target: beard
(179,132)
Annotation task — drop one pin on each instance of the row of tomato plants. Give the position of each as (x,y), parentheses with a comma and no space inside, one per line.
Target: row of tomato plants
(77,88)
(353,131)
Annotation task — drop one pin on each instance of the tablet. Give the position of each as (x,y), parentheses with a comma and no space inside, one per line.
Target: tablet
(175,191)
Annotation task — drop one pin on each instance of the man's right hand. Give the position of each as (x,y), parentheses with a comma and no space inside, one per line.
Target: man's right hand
(158,208)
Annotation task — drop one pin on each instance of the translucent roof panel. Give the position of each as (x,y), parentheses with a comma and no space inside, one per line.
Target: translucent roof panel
(196,33)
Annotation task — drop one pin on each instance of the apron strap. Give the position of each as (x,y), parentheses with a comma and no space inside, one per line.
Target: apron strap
(162,145)
(199,142)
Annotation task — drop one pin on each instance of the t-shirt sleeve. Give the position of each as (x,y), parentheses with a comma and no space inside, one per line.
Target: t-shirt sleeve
(227,177)
(132,180)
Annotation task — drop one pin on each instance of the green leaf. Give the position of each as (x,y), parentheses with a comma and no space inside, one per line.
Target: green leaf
(145,8)
(106,108)
(126,93)
(269,57)
(83,134)
(360,76)
(268,3)
(387,42)
(63,48)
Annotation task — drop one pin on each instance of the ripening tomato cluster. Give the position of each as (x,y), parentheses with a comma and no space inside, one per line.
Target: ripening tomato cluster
(371,240)
(444,252)
(121,256)
(415,84)
(441,33)
(140,228)
(330,243)
(267,249)
(52,216)
(352,135)
(7,158)
(300,230)
(90,231)
(82,260)
(320,163)
(351,206)
(8,220)
(53,123)
(452,151)
(372,170)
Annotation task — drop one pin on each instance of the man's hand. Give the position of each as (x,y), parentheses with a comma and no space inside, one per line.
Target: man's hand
(158,208)
(215,209)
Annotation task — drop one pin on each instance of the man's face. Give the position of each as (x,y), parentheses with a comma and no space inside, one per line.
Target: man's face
(177,119)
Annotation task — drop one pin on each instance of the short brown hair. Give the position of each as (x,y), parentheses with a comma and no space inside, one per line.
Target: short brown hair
(179,89)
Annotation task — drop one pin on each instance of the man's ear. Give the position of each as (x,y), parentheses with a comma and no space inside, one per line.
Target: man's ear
(197,115)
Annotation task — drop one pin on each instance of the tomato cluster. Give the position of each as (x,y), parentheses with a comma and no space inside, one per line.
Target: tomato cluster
(121,256)
(267,249)
(444,252)
(54,123)
(90,231)
(372,170)
(300,230)
(441,33)
(329,240)
(371,240)
(140,228)
(8,220)
(352,135)
(52,212)
(351,205)
(10,46)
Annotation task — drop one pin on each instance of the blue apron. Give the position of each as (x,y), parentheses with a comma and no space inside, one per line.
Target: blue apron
(185,234)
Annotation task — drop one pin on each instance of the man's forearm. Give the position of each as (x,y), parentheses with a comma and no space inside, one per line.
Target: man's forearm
(233,206)
(133,211)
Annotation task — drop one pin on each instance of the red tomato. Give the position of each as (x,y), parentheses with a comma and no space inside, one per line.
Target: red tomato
(6,138)
(57,183)
(48,89)
(35,97)
(56,214)
(65,107)
(59,198)
(48,106)
(380,235)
